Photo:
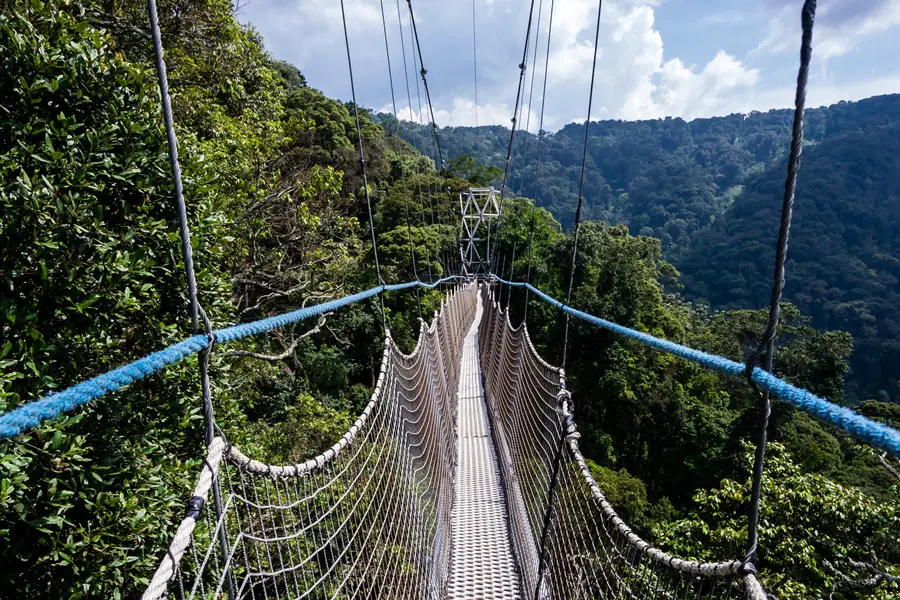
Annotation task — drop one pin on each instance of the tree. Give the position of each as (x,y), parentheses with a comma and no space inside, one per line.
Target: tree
(818,539)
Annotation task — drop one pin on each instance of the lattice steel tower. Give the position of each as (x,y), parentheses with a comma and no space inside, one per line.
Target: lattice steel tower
(478,206)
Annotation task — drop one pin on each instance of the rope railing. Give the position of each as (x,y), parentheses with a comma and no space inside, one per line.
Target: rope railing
(369,517)
(876,434)
(31,414)
(53,405)
(590,551)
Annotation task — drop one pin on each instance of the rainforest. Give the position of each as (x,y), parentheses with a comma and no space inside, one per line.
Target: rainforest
(677,241)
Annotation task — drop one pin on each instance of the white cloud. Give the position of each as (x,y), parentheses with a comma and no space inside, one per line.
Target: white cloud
(818,95)
(839,28)
(685,92)
(635,77)
(461,113)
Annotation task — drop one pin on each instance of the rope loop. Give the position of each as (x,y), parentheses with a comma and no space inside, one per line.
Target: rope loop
(747,567)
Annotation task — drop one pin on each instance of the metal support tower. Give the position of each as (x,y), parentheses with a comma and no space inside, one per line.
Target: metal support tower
(479,207)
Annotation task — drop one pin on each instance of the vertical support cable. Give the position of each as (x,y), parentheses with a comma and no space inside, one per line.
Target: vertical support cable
(587,129)
(537,167)
(475,63)
(534,55)
(429,188)
(512,131)
(362,164)
(439,160)
(767,347)
(437,141)
(209,422)
(523,153)
(418,172)
(564,397)
(412,248)
(550,513)
(175,166)
(512,271)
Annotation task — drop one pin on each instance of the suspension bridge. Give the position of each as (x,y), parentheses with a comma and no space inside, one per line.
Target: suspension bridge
(463,476)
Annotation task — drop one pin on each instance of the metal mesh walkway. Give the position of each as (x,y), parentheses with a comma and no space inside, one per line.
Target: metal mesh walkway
(481,559)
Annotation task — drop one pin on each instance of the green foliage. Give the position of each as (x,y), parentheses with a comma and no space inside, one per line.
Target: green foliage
(626,493)
(843,268)
(811,529)
(710,190)
(90,263)
(91,277)
(465,167)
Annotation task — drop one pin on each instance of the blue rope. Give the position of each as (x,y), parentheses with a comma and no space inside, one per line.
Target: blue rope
(31,414)
(878,435)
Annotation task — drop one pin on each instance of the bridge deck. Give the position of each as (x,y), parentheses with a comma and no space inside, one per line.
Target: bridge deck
(481,563)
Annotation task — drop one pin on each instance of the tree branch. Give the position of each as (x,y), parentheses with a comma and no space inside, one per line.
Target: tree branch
(276,294)
(870,582)
(891,469)
(289,351)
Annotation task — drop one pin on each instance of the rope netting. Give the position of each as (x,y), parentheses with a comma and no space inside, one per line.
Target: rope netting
(569,541)
(370,517)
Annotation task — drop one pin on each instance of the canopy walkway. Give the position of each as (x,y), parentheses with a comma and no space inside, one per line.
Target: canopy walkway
(441,489)
(462,477)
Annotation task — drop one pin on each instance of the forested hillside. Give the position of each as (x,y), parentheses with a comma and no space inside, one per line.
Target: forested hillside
(710,190)
(92,277)
(92,273)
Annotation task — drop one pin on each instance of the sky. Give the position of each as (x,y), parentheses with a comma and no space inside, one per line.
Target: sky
(655,59)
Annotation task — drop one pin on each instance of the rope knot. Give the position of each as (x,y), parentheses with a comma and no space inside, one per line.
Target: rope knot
(563,395)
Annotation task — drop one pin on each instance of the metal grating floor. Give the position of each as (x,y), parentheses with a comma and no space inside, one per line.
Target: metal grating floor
(481,559)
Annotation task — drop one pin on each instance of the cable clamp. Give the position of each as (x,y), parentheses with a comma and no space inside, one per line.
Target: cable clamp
(210,333)
(194,508)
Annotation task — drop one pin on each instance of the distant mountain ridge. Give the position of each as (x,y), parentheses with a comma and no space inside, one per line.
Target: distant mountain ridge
(710,191)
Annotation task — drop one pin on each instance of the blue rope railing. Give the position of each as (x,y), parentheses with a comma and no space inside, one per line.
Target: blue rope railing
(877,434)
(31,414)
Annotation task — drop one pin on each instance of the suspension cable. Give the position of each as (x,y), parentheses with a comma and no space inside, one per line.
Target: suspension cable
(439,161)
(437,141)
(512,131)
(429,183)
(767,348)
(475,64)
(524,150)
(551,494)
(523,155)
(537,166)
(587,129)
(415,145)
(209,420)
(362,165)
(412,248)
